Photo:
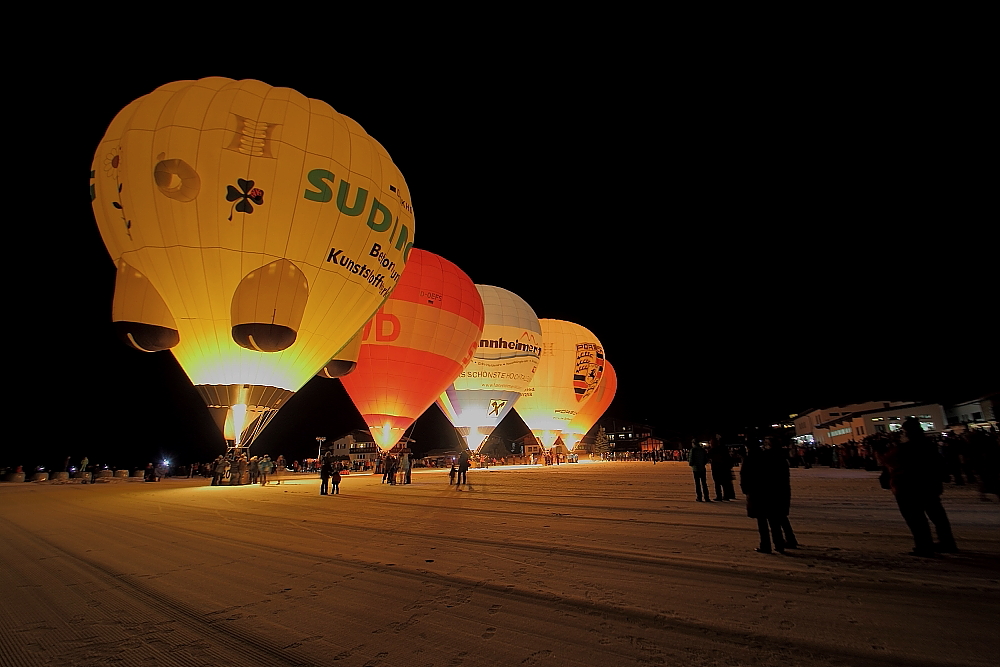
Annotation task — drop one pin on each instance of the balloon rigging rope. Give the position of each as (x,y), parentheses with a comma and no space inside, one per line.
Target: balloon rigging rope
(261,422)
(410,430)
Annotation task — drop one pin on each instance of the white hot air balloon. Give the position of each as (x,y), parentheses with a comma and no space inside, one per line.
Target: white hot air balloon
(502,367)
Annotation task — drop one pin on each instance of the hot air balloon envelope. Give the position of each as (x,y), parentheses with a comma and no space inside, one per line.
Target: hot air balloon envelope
(569,372)
(415,346)
(591,412)
(255,231)
(502,367)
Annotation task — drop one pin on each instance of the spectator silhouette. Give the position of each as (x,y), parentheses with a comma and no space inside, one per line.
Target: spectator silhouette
(765,482)
(915,467)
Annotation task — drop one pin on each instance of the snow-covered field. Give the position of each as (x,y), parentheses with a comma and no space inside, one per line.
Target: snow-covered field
(603,564)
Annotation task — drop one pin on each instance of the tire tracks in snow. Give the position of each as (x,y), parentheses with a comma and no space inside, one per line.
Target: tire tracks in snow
(544,603)
(241,647)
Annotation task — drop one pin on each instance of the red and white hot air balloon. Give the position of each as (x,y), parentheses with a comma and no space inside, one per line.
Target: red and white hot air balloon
(415,346)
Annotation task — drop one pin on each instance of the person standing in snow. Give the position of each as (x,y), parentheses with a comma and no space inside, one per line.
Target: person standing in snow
(218,470)
(406,466)
(325,471)
(697,460)
(722,471)
(915,467)
(463,469)
(764,480)
(279,468)
(266,466)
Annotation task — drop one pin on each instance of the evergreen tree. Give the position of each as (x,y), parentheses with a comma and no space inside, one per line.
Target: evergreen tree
(601,443)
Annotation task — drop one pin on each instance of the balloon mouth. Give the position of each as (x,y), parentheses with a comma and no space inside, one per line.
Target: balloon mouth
(546,437)
(338,368)
(241,411)
(387,430)
(147,337)
(261,337)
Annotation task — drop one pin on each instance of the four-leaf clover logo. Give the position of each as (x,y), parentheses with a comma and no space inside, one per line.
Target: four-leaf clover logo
(246,194)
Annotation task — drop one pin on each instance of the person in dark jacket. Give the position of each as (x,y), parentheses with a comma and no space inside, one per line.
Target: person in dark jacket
(697,460)
(765,482)
(335,481)
(463,468)
(218,470)
(239,471)
(325,472)
(915,479)
(254,469)
(722,471)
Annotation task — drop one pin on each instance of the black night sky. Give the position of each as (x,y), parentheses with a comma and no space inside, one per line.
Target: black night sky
(744,245)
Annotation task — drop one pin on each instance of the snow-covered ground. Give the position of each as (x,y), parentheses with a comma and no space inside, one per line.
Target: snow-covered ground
(605,564)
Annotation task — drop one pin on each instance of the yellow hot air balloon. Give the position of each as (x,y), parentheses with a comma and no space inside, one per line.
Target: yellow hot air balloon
(255,231)
(569,372)
(592,410)
(345,361)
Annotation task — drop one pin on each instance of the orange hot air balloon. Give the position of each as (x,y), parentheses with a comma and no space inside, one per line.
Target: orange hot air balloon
(415,346)
(569,371)
(592,409)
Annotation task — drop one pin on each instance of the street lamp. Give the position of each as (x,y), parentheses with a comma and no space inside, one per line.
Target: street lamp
(319,453)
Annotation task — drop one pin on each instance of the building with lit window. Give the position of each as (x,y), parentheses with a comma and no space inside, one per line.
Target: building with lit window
(839,424)
(979,413)
(626,436)
(360,446)
(857,425)
(810,425)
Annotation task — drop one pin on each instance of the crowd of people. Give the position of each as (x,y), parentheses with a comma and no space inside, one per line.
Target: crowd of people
(395,468)
(915,465)
(237,469)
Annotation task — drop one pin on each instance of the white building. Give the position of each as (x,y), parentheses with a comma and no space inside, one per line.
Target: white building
(809,427)
(857,425)
(979,413)
(361,451)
